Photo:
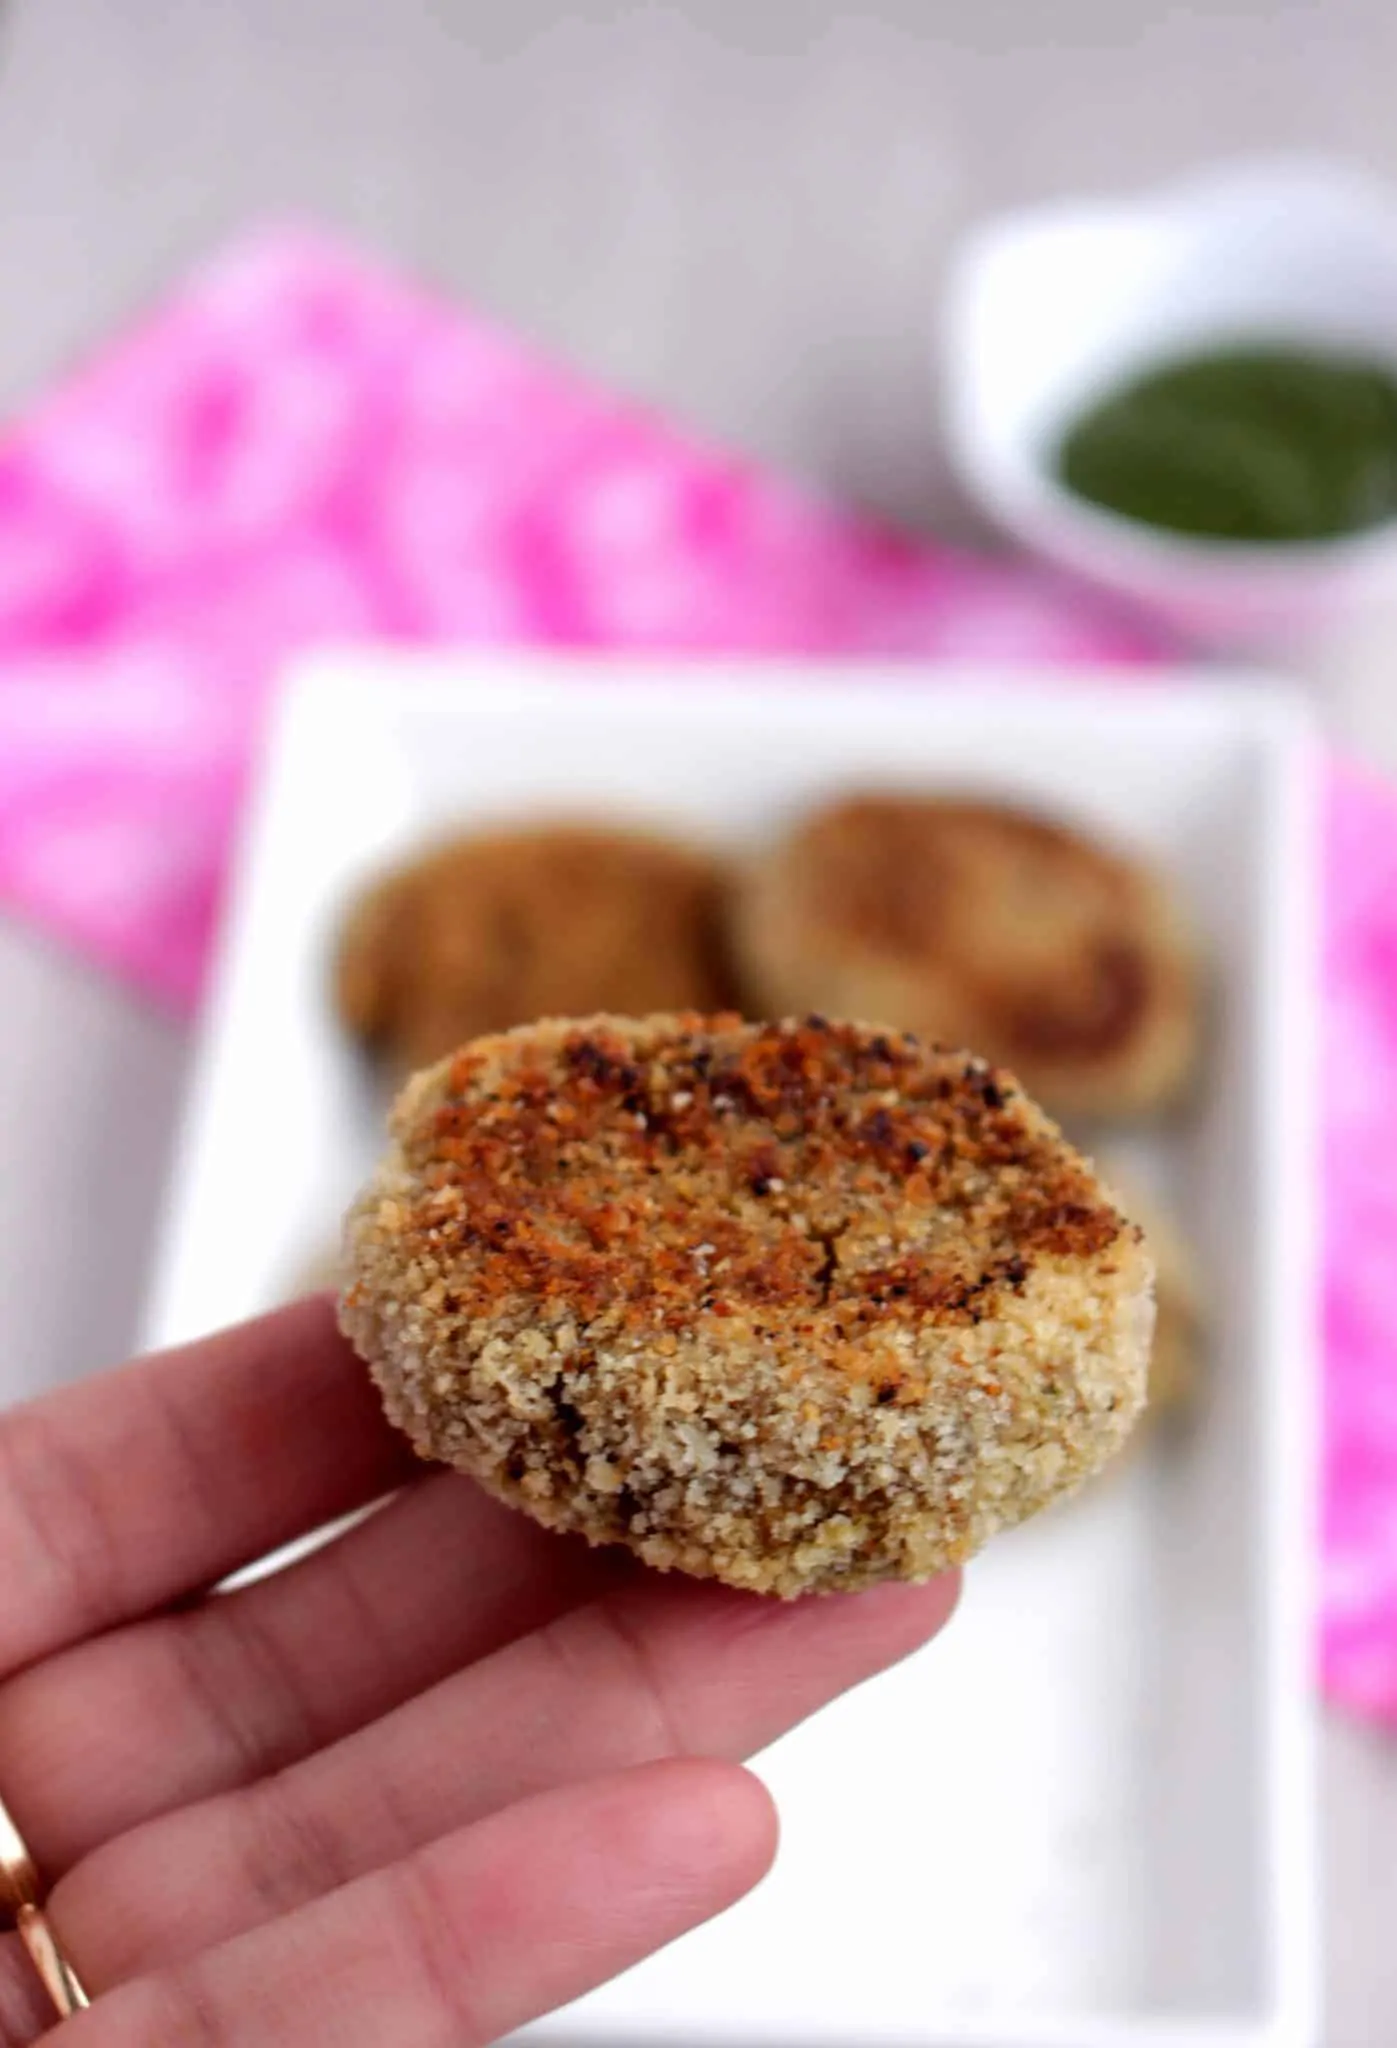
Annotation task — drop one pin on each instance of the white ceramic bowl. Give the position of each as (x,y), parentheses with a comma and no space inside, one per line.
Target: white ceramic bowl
(1048,308)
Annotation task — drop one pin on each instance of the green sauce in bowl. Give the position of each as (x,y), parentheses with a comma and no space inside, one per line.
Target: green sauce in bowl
(1251,444)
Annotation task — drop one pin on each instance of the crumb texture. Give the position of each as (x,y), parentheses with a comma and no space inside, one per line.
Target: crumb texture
(980,924)
(797,1306)
(1179,1358)
(484,931)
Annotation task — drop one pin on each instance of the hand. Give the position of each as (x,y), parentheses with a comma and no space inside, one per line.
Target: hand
(435,1779)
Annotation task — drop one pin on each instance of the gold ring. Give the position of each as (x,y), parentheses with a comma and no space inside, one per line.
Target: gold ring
(21,1898)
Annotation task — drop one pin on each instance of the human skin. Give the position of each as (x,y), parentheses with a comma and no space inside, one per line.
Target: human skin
(432,1781)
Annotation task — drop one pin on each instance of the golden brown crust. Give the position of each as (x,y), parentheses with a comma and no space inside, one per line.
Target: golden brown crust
(977,923)
(1178,1358)
(796,1306)
(483,932)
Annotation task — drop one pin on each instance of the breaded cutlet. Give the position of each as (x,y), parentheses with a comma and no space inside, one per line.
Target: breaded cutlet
(795,1306)
(486,930)
(1179,1355)
(980,924)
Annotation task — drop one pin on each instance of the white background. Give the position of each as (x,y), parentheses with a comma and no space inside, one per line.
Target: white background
(736,207)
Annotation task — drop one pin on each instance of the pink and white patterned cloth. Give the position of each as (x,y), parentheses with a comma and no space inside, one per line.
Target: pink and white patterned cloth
(303,448)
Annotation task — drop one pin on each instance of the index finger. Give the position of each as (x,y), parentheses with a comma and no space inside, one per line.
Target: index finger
(123,1493)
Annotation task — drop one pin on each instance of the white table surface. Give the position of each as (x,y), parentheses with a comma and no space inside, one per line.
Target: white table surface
(735,207)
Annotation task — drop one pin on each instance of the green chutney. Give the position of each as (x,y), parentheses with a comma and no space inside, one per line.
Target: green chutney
(1245,443)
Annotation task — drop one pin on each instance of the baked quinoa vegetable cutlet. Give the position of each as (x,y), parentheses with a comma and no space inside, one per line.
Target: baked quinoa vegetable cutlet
(486,930)
(981,924)
(798,1306)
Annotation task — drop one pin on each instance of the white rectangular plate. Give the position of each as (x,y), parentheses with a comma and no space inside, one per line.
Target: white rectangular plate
(1084,1815)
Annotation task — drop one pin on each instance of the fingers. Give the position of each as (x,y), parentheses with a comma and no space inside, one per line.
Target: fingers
(26,2013)
(662,1669)
(246,1683)
(120,1494)
(488,1928)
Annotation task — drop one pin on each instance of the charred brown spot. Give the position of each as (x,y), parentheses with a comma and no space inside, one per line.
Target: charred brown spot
(1071,1229)
(587,1058)
(647,1183)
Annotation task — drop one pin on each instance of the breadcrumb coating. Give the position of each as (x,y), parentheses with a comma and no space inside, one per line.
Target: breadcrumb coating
(489,929)
(1179,1358)
(797,1306)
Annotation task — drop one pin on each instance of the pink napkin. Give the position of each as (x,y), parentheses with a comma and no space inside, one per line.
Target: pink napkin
(301,447)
